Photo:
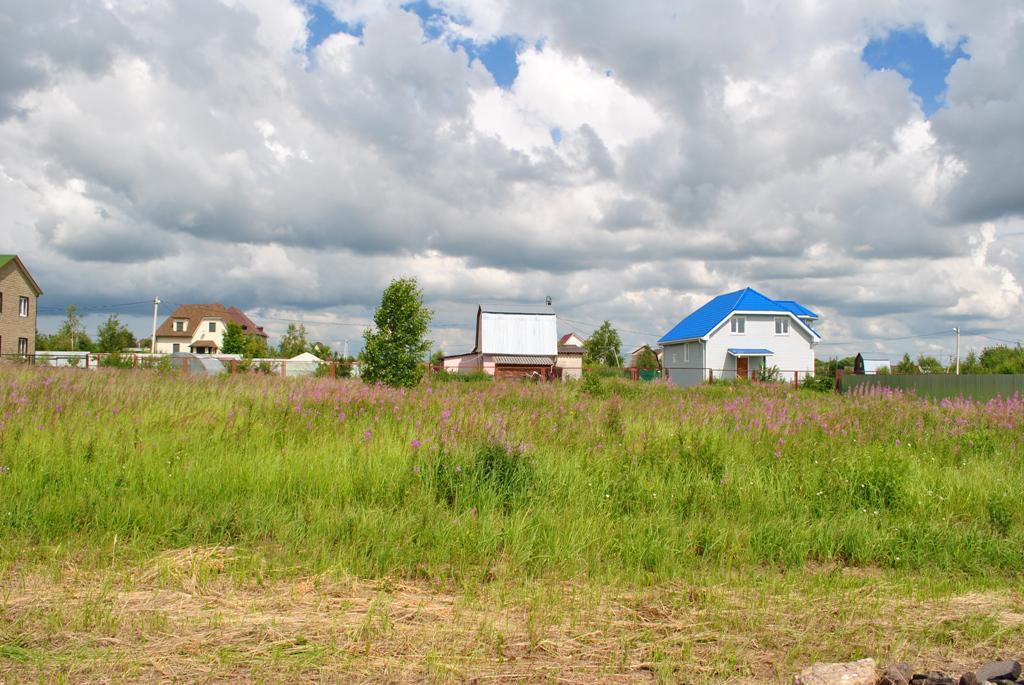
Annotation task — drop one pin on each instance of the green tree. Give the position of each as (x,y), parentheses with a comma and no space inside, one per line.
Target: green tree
(234,340)
(256,347)
(829,367)
(71,336)
(646,359)
(294,341)
(905,365)
(437,358)
(394,349)
(971,364)
(604,346)
(1002,359)
(114,336)
(929,364)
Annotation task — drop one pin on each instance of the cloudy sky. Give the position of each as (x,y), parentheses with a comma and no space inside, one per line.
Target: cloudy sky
(629,159)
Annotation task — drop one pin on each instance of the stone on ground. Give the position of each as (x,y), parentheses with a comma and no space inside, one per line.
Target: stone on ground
(863,672)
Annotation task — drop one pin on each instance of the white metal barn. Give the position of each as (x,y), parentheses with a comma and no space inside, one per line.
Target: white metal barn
(511,340)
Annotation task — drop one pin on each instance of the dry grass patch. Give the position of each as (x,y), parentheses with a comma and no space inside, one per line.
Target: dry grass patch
(184,618)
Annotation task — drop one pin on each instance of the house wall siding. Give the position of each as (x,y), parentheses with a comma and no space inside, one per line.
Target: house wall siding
(14,285)
(793,352)
(684,363)
(165,344)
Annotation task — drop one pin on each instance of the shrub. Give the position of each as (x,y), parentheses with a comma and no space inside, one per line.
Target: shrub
(116,360)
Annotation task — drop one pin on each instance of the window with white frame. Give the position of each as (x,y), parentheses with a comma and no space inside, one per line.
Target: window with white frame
(686,352)
(738,325)
(179,326)
(213,326)
(22,345)
(23,306)
(781,325)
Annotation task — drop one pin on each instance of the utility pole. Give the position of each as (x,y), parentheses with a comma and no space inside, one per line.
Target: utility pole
(956,329)
(152,340)
(345,356)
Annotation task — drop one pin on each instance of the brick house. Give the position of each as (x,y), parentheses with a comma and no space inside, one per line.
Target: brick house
(18,296)
(200,328)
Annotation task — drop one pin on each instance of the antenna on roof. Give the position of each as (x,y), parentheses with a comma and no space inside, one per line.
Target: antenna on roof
(547,300)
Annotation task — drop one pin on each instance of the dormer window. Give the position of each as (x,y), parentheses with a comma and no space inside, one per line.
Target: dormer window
(213,326)
(781,325)
(179,326)
(738,325)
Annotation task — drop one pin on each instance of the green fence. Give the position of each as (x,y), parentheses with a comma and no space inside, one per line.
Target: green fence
(940,386)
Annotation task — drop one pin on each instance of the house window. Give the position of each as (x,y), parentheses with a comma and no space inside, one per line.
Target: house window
(686,353)
(213,326)
(22,345)
(738,325)
(781,325)
(179,325)
(176,347)
(23,306)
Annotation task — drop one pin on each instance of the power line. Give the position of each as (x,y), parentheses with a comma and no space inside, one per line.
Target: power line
(907,337)
(598,325)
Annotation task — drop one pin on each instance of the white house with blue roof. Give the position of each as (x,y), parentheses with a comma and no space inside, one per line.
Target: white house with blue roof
(736,335)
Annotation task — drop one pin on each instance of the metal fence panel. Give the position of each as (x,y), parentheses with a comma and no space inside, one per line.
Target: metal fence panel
(940,386)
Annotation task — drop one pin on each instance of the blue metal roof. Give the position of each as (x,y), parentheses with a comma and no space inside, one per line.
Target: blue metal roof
(797,308)
(749,351)
(706,318)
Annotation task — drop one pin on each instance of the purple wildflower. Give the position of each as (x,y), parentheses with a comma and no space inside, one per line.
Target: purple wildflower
(416,444)
(367,434)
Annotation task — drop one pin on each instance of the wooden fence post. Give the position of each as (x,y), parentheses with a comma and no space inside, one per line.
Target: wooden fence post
(839,378)
(233,367)
(87,360)
(796,380)
(711,376)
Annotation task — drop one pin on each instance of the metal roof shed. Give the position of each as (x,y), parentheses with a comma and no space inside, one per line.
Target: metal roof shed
(516,330)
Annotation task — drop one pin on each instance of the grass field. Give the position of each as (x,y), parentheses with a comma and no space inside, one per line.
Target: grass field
(159,527)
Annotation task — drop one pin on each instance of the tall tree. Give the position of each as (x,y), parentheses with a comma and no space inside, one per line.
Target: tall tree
(646,359)
(905,365)
(294,341)
(437,358)
(234,339)
(604,346)
(394,350)
(929,364)
(71,335)
(114,336)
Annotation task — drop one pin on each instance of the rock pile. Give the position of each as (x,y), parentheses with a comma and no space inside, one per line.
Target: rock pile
(865,672)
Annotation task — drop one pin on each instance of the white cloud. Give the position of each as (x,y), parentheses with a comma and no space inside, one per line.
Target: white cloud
(703,147)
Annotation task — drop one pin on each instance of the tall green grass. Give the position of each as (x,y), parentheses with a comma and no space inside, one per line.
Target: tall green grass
(638,482)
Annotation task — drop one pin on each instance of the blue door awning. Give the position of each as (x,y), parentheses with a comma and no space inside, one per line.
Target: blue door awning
(749,352)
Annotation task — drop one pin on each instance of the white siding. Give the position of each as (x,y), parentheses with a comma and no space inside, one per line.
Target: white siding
(792,352)
(519,334)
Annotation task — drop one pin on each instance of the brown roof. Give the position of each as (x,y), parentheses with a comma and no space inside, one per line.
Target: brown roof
(195,313)
(204,343)
(570,349)
(565,338)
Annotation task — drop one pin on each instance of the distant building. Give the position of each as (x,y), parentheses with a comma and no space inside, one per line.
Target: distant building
(570,339)
(200,328)
(511,341)
(736,334)
(634,356)
(19,295)
(869,366)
